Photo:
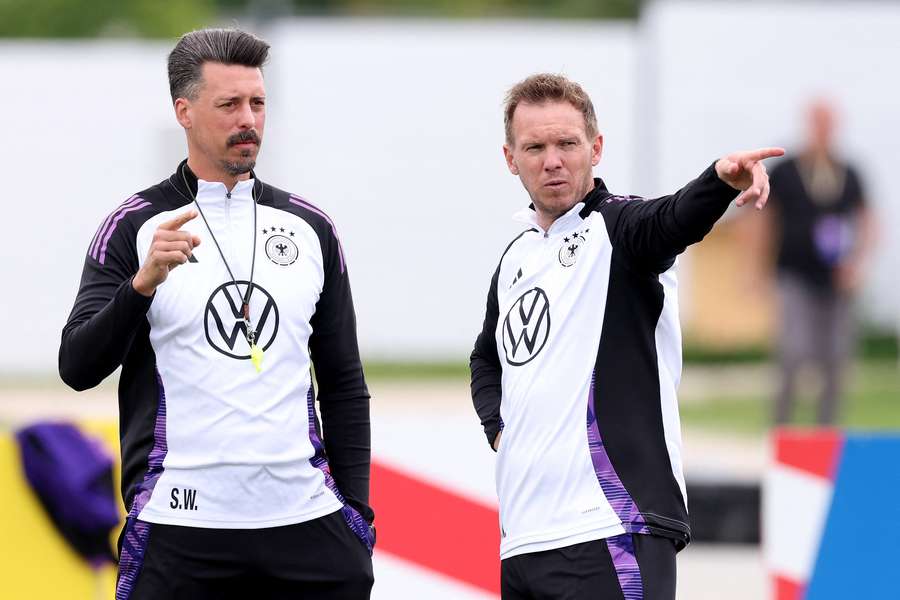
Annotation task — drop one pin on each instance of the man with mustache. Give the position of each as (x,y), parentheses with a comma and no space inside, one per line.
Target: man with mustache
(232,486)
(574,374)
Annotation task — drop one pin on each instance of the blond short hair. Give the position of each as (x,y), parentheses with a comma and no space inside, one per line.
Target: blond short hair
(549,87)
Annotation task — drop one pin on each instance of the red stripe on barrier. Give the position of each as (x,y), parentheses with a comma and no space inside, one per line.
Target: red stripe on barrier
(787,589)
(436,528)
(813,450)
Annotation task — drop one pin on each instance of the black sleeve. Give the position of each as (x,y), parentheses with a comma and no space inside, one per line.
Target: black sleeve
(777,174)
(855,189)
(106,315)
(654,232)
(486,369)
(343,395)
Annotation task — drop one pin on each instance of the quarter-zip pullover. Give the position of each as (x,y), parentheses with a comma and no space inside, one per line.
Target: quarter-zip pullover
(578,363)
(206,440)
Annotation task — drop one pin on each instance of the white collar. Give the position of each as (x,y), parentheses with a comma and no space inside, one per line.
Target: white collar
(214,191)
(572,217)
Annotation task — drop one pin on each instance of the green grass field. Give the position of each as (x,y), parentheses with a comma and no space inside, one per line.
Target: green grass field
(740,405)
(872,402)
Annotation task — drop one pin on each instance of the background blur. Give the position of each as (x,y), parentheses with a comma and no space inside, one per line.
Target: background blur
(388,115)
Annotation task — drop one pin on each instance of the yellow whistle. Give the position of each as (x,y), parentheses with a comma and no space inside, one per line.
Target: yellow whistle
(256,357)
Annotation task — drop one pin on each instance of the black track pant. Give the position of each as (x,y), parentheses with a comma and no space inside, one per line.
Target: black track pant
(623,567)
(319,559)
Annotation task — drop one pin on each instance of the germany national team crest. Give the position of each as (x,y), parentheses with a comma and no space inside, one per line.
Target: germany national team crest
(280,248)
(571,245)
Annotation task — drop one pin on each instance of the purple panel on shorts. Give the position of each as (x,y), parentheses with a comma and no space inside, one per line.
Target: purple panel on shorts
(621,549)
(134,544)
(156,457)
(354,520)
(615,492)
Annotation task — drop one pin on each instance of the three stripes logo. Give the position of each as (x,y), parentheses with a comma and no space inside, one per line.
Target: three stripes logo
(526,327)
(99,244)
(516,278)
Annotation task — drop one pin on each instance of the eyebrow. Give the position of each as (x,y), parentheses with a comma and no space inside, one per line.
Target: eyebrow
(238,97)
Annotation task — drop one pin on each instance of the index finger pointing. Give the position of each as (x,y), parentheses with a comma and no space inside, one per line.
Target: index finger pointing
(178,221)
(760,179)
(763,153)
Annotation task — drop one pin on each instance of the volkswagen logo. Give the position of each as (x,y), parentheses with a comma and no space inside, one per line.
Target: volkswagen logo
(526,327)
(224,322)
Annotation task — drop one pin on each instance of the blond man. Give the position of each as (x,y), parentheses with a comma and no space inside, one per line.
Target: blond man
(574,374)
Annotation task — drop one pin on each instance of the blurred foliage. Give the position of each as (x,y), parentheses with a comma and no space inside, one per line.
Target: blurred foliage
(560,9)
(873,344)
(92,18)
(162,19)
(876,344)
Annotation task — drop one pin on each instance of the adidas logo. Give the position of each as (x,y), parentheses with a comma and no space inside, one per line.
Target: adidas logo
(516,278)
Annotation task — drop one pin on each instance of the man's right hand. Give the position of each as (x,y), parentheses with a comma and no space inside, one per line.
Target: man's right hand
(170,248)
(496,443)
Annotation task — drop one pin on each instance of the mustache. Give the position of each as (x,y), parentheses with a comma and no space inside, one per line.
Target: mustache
(244,136)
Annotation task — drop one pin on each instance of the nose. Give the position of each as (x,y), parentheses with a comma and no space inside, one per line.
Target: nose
(246,117)
(552,160)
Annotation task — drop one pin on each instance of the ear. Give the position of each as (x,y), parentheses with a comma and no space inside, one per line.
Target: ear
(510,162)
(183,112)
(596,150)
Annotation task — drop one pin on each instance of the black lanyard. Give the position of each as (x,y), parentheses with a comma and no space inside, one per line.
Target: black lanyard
(245,300)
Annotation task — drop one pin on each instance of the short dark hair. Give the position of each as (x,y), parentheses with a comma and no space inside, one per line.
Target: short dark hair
(226,46)
(549,87)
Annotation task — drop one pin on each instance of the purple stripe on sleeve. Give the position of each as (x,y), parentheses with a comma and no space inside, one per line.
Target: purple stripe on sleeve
(621,549)
(303,203)
(134,544)
(95,243)
(155,458)
(615,492)
(112,228)
(354,520)
(102,230)
(99,235)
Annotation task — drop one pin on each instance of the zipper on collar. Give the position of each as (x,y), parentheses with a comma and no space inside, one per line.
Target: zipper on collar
(528,216)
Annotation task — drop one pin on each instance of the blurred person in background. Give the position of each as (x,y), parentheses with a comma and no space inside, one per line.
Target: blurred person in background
(231,487)
(822,229)
(574,374)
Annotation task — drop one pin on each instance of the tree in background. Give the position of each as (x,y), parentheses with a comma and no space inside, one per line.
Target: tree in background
(93,18)
(155,19)
(561,9)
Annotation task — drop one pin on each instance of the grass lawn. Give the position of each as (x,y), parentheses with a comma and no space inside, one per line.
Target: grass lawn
(872,402)
(738,403)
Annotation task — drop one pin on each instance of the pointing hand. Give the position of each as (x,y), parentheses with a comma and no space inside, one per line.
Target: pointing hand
(746,172)
(171,247)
